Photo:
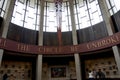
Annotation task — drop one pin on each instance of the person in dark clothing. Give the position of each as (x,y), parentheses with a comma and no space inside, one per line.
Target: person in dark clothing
(100,75)
(5,76)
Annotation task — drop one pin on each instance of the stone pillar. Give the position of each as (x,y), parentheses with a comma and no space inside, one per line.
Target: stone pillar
(6,20)
(1,55)
(74,37)
(40,42)
(110,29)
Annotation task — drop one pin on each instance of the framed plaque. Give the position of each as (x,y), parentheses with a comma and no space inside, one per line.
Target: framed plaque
(58,72)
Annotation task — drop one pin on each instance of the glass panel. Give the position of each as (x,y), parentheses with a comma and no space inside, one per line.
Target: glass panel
(93,7)
(18,19)
(113,6)
(2,14)
(96,18)
(26,15)
(50,18)
(3,5)
(32,3)
(114,9)
(88,14)
(81,2)
(65,17)
(18,14)
(50,21)
(117,4)
(76,18)
(22,1)
(112,2)
(111,12)
(30,18)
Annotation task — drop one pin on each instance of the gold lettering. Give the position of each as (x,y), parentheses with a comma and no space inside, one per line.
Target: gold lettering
(2,43)
(113,40)
(117,38)
(103,42)
(72,48)
(88,46)
(99,44)
(76,48)
(48,50)
(41,49)
(23,47)
(94,45)
(108,41)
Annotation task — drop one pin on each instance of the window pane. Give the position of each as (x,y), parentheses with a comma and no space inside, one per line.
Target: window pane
(26,14)
(50,20)
(113,6)
(117,4)
(88,14)
(3,4)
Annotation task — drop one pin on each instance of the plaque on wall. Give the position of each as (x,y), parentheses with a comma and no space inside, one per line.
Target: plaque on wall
(58,72)
(107,72)
(115,72)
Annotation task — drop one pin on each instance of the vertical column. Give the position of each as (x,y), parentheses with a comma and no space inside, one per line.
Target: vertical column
(110,29)
(1,55)
(40,42)
(6,21)
(74,36)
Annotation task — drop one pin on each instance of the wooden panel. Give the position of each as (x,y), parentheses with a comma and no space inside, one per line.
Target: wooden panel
(100,30)
(94,32)
(50,39)
(21,34)
(1,20)
(116,21)
(67,38)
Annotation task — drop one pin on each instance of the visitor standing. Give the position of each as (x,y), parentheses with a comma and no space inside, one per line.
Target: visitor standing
(5,76)
(91,75)
(100,75)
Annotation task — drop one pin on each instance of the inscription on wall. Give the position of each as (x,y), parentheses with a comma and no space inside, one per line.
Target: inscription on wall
(104,42)
(107,66)
(2,43)
(85,47)
(23,47)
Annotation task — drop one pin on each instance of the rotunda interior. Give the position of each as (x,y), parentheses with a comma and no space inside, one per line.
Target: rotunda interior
(59,39)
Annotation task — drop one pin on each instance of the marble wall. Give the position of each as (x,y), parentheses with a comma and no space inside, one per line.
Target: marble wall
(16,69)
(107,65)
